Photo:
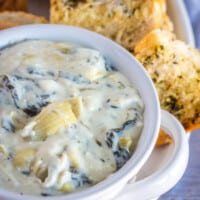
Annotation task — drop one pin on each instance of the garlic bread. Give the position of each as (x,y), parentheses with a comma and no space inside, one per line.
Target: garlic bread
(124,21)
(15,18)
(175,69)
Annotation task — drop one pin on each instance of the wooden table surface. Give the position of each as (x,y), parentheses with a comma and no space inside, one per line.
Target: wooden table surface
(188,188)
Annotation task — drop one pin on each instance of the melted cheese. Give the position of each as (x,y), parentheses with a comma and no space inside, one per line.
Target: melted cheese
(104,117)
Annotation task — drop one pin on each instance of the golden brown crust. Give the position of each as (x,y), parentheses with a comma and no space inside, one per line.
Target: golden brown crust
(126,22)
(163,139)
(175,69)
(15,18)
(13,5)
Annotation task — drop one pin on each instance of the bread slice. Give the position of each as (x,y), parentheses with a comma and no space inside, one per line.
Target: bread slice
(175,69)
(13,5)
(124,21)
(15,18)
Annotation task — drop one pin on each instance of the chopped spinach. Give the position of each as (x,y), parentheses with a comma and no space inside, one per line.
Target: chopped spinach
(8,125)
(39,72)
(32,110)
(113,106)
(79,179)
(75,78)
(119,131)
(121,155)
(26,173)
(109,67)
(45,194)
(21,90)
(111,137)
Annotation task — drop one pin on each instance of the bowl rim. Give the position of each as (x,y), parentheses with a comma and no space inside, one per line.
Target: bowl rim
(144,147)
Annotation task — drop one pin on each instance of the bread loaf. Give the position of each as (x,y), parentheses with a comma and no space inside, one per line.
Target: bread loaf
(15,18)
(124,21)
(13,5)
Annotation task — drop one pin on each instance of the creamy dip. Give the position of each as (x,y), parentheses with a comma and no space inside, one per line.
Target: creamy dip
(68,119)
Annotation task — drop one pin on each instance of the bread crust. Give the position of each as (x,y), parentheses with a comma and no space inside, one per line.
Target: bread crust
(15,18)
(163,139)
(13,5)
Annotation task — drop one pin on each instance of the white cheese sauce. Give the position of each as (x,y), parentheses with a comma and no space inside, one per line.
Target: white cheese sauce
(68,119)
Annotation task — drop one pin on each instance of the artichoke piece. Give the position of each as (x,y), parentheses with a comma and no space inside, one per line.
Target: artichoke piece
(95,76)
(77,106)
(53,118)
(125,142)
(67,187)
(42,173)
(39,169)
(23,157)
(73,159)
(3,149)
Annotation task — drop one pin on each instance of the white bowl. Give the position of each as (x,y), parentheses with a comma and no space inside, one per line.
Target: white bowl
(125,63)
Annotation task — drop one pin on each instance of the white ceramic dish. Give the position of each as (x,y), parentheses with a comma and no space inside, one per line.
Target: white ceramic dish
(124,62)
(163,170)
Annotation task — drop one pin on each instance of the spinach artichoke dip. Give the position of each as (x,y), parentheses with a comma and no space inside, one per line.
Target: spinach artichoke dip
(68,119)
